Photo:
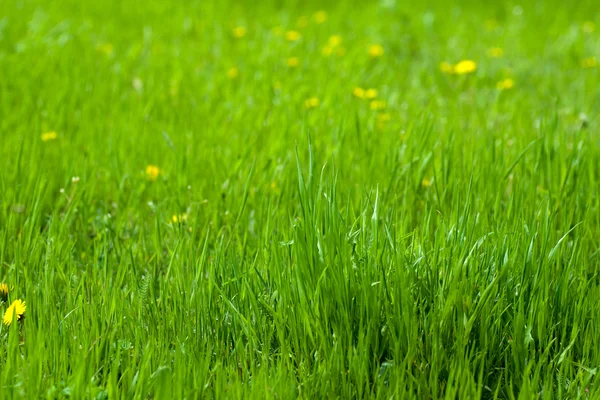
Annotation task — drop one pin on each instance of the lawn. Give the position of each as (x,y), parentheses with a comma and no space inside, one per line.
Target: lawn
(285,199)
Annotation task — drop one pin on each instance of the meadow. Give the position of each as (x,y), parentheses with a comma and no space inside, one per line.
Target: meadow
(285,199)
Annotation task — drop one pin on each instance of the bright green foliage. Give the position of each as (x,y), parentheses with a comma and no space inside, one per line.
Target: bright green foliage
(219,213)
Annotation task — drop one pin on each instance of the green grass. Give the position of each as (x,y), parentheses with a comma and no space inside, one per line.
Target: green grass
(445,246)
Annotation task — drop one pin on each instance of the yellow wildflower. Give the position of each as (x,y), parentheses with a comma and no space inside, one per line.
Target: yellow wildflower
(370,94)
(152,172)
(376,50)
(311,102)
(179,218)
(233,73)
(378,105)
(292,36)
(505,84)
(3,291)
(334,40)
(239,32)
(17,308)
(589,62)
(465,67)
(320,17)
(589,27)
(426,182)
(359,92)
(293,62)
(446,67)
(47,136)
(495,52)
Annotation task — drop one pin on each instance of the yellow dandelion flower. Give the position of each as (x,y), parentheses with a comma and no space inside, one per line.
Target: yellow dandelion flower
(495,52)
(465,67)
(376,50)
(334,40)
(17,308)
(370,94)
(320,17)
(588,27)
(358,92)
(377,105)
(152,172)
(239,32)
(505,84)
(311,102)
(179,218)
(293,62)
(589,62)
(446,67)
(292,36)
(233,73)
(3,291)
(47,136)
(302,22)
(426,182)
